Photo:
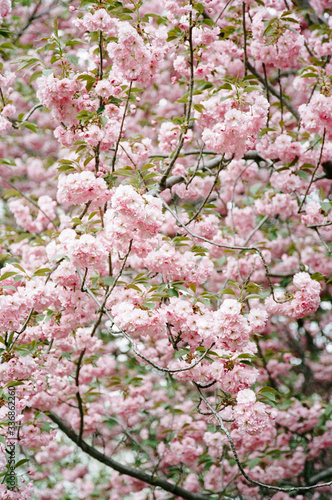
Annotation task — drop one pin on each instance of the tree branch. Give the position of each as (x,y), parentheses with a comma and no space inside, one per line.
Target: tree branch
(274,92)
(163,180)
(243,472)
(123,469)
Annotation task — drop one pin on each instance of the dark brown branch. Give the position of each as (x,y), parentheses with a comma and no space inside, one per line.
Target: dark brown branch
(313,174)
(274,92)
(78,395)
(121,127)
(244,38)
(237,460)
(30,20)
(163,180)
(124,469)
(196,214)
(176,179)
(100,43)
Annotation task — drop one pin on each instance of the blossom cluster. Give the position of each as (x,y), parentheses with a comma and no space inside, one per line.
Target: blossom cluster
(230,123)
(303,301)
(165,245)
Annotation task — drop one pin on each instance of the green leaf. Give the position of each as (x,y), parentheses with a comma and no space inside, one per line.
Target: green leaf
(318,277)
(253,296)
(151,175)
(7,45)
(325,205)
(59,257)
(309,75)
(225,97)
(149,305)
(76,41)
(199,107)
(47,72)
(76,220)
(253,190)
(253,462)
(134,287)
(226,86)
(26,62)
(181,352)
(18,277)
(7,161)
(21,462)
(246,356)
(209,22)
(126,171)
(269,393)
(8,274)
(183,99)
(303,175)
(251,88)
(72,59)
(66,162)
(34,76)
(19,267)
(289,19)
(30,126)
(227,291)
(174,34)
(252,287)
(13,383)
(66,168)
(42,272)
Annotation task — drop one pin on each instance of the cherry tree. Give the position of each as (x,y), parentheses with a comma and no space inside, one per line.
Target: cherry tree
(166,229)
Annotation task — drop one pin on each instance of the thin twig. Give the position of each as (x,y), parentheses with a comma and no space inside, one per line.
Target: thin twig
(124,469)
(29,200)
(221,13)
(134,345)
(323,241)
(31,18)
(29,113)
(281,101)
(94,329)
(189,152)
(313,175)
(162,182)
(233,195)
(259,225)
(244,38)
(109,291)
(100,42)
(196,168)
(209,193)
(320,225)
(118,276)
(243,472)
(134,440)
(231,247)
(267,94)
(121,127)
(78,395)
(273,91)
(84,210)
